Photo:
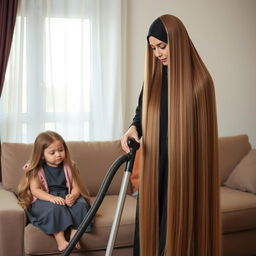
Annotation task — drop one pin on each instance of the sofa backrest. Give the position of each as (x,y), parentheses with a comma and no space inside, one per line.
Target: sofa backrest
(95,158)
(231,150)
(92,158)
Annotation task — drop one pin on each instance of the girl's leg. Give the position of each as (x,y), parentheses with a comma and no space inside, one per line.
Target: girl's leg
(78,211)
(61,240)
(72,233)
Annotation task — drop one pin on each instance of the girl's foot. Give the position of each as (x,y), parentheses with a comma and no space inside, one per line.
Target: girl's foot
(62,243)
(72,233)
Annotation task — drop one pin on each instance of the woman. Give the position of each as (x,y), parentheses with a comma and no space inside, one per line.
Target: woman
(179,180)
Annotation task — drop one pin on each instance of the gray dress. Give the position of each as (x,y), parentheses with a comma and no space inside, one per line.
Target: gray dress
(52,218)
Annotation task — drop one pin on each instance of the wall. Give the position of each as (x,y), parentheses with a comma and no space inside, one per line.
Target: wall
(225,36)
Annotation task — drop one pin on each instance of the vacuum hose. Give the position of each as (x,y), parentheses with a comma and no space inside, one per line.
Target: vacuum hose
(129,159)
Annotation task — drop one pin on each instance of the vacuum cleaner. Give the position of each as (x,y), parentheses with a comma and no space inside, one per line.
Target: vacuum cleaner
(129,160)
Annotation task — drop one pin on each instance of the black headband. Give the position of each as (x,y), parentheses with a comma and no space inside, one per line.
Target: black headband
(157,30)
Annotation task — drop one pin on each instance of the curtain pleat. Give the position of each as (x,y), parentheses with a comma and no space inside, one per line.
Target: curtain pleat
(8,10)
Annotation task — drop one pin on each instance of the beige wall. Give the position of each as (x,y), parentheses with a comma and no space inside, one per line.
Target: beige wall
(224,33)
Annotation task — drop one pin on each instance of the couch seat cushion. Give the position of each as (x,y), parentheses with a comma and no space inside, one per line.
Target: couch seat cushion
(90,241)
(238,210)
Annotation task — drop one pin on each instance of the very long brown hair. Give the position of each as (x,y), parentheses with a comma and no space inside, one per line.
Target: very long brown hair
(193,215)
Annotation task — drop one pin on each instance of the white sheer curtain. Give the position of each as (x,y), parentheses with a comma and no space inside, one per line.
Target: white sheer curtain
(65,71)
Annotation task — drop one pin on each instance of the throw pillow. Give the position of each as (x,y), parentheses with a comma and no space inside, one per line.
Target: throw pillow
(243,177)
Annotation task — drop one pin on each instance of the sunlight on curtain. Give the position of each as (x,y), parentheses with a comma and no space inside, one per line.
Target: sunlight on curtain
(67,65)
(68,75)
(65,71)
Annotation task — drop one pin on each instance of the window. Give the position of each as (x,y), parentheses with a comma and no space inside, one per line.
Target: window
(57,78)
(66,75)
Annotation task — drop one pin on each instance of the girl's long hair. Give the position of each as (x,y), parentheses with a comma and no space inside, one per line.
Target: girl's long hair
(44,140)
(193,214)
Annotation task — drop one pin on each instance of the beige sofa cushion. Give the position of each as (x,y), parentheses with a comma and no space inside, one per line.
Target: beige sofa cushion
(243,177)
(92,158)
(231,150)
(90,241)
(12,222)
(238,210)
(13,158)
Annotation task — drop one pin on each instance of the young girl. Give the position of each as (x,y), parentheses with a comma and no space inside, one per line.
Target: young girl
(50,189)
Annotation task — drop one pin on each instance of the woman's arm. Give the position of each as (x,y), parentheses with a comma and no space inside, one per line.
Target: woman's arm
(135,129)
(138,116)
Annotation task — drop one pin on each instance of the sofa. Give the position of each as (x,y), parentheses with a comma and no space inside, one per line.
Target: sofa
(93,159)
(237,162)
(238,206)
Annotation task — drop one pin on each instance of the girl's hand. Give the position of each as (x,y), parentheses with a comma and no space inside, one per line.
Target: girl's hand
(70,199)
(131,133)
(57,200)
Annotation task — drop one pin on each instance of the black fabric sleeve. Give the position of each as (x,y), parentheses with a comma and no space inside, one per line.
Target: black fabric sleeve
(137,120)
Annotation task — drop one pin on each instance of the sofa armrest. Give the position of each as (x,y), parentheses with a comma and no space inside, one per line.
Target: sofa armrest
(12,222)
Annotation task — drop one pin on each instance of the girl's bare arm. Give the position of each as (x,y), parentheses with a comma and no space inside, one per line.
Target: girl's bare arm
(74,194)
(36,191)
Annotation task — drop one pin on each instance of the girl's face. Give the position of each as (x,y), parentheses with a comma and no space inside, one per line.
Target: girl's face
(160,49)
(54,154)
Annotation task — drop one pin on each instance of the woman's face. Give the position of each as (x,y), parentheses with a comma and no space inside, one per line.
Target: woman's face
(160,49)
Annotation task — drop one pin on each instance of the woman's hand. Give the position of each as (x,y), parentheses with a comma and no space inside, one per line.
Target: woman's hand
(70,199)
(131,133)
(57,200)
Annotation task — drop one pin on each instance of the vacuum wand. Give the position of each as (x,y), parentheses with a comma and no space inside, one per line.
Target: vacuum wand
(129,159)
(133,145)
